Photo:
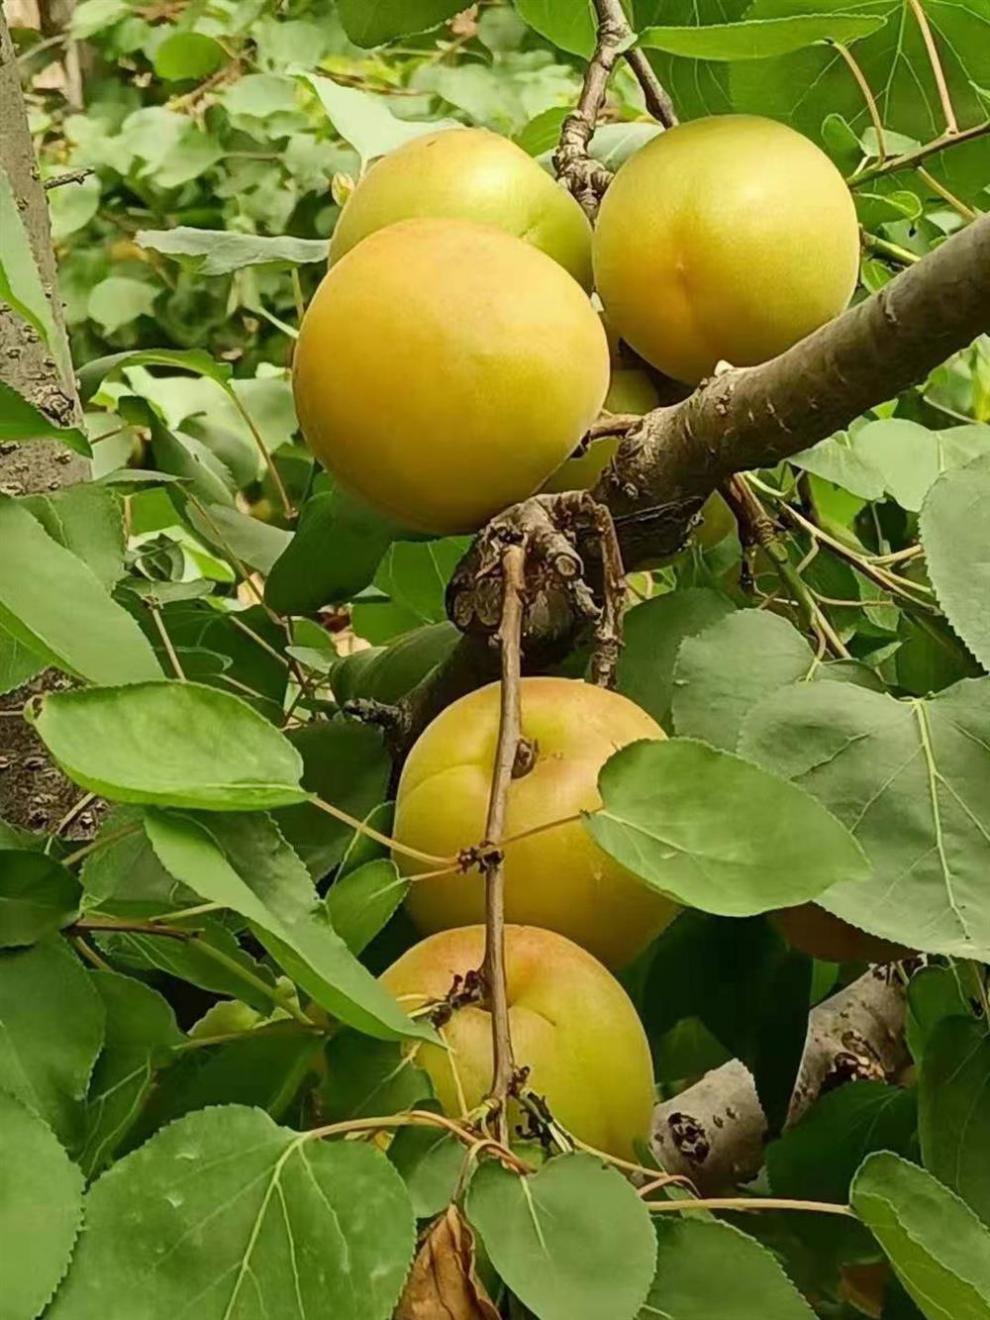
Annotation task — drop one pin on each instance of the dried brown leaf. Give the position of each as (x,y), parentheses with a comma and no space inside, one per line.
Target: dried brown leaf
(443,1284)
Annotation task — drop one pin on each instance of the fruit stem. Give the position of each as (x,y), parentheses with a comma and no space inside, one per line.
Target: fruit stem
(509,733)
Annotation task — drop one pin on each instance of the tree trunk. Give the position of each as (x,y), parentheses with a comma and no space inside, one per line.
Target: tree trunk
(32,792)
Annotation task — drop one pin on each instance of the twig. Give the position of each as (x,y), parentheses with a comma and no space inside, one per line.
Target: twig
(273,471)
(868,97)
(951,124)
(940,190)
(909,159)
(585,178)
(70,176)
(111,926)
(902,255)
(170,651)
(612,424)
(507,752)
(749,1203)
(362,827)
(608,629)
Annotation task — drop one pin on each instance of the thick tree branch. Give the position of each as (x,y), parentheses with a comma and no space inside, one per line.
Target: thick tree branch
(714,1132)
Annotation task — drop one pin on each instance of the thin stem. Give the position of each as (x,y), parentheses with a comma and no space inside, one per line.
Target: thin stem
(87,951)
(506,756)
(273,471)
(264,1029)
(102,841)
(201,910)
(748,1203)
(371,833)
(248,977)
(951,124)
(256,637)
(868,97)
(940,190)
(297,295)
(238,563)
(903,255)
(421,1118)
(912,158)
(540,829)
(73,812)
(111,926)
(170,651)
(658,102)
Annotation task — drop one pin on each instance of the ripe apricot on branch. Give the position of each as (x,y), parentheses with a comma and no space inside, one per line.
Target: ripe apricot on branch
(444,369)
(724,239)
(469,174)
(558,878)
(572,1025)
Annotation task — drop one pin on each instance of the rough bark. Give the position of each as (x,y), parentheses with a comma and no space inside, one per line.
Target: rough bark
(32,792)
(715,1131)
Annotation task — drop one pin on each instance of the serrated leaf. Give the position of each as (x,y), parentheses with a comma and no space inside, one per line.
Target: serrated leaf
(956,538)
(140,1026)
(727,668)
(53,604)
(654,632)
(176,744)
(373,22)
(40,1210)
(759,39)
(939,1249)
(88,520)
(21,421)
(38,896)
(220,252)
(51,1030)
(243,863)
(715,832)
(911,779)
(695,1262)
(954,1110)
(17,664)
(231,1217)
(555,1237)
(365,121)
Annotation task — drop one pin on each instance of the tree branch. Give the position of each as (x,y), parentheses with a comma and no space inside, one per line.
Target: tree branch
(506,760)
(586,178)
(714,1132)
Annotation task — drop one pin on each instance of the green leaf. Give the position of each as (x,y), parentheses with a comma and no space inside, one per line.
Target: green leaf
(364,119)
(819,1156)
(360,903)
(185,55)
(806,86)
(726,669)
(51,1030)
(716,832)
(695,1263)
(415,574)
(387,673)
(908,458)
(242,862)
(556,1236)
(93,16)
(305,578)
(933,994)
(93,374)
(939,1249)
(38,896)
(254,542)
(52,603)
(20,421)
(911,779)
(373,22)
(178,744)
(838,459)
(17,664)
(956,538)
(430,1162)
(954,1105)
(759,39)
(570,26)
(654,632)
(20,280)
(368,1077)
(72,206)
(88,520)
(232,1217)
(119,300)
(345,763)
(220,252)
(40,1210)
(140,1027)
